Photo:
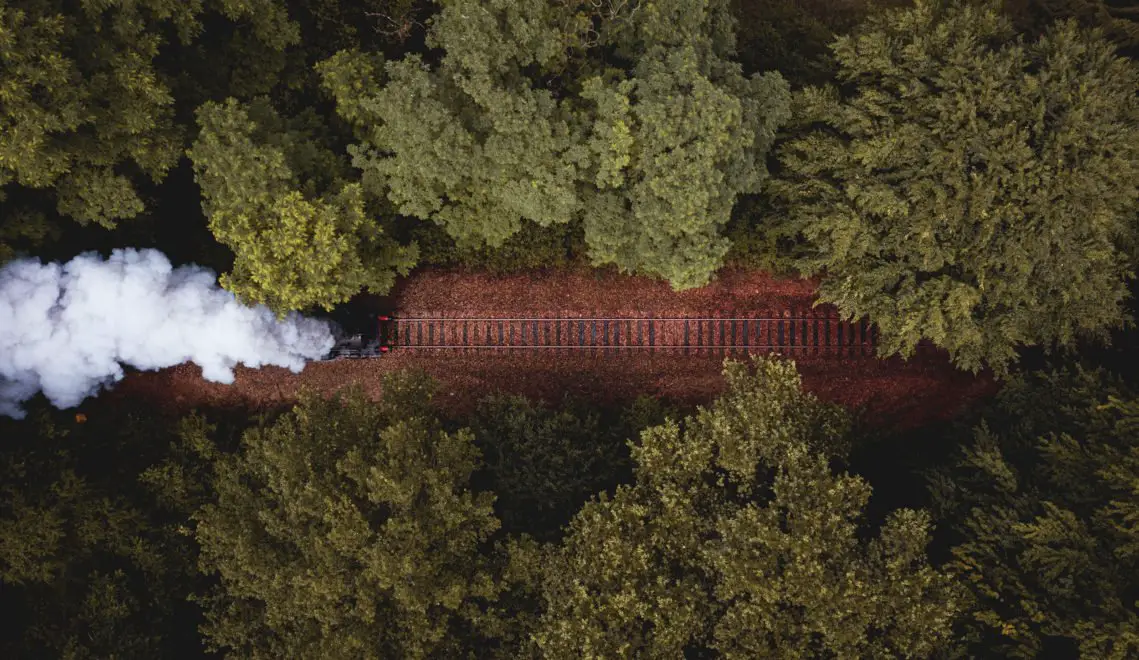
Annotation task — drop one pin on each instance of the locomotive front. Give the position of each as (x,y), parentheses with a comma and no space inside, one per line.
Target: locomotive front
(359,345)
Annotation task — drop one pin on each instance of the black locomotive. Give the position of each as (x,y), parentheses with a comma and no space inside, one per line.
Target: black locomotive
(355,346)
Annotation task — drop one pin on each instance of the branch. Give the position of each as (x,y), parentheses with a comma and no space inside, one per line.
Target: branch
(402,29)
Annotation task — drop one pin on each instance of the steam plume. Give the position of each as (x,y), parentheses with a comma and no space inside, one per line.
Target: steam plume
(65,329)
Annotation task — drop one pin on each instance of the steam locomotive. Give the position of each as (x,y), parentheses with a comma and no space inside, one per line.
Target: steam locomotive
(355,346)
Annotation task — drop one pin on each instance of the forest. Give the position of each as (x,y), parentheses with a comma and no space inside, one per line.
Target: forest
(963,173)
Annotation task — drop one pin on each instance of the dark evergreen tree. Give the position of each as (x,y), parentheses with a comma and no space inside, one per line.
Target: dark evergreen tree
(967,188)
(91,565)
(1043,504)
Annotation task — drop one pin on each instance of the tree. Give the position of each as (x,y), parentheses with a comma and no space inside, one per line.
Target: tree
(738,538)
(259,174)
(969,189)
(1119,19)
(371,24)
(346,529)
(791,36)
(542,464)
(85,111)
(627,116)
(89,565)
(1043,504)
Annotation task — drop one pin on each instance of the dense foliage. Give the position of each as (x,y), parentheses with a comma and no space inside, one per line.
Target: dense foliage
(958,185)
(1119,19)
(350,528)
(292,251)
(1043,501)
(739,537)
(90,566)
(87,112)
(346,529)
(523,121)
(969,189)
(959,171)
(543,463)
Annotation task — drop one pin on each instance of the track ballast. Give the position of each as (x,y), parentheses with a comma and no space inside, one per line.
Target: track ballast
(811,331)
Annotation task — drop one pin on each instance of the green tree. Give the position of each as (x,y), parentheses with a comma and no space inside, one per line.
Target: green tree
(23,228)
(1043,504)
(277,197)
(89,566)
(84,109)
(792,36)
(969,189)
(739,537)
(1119,19)
(346,529)
(627,116)
(543,464)
(369,24)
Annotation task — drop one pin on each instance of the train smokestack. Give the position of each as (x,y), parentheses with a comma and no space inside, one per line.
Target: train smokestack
(67,329)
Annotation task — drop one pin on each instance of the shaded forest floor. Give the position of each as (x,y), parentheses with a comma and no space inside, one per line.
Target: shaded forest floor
(899,395)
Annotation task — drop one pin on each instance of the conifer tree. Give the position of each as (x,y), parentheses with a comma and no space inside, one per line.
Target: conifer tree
(89,567)
(1119,19)
(968,188)
(1043,504)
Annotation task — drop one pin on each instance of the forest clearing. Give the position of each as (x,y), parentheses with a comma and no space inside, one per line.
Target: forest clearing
(900,394)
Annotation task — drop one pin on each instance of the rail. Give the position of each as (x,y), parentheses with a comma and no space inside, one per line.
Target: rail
(821,331)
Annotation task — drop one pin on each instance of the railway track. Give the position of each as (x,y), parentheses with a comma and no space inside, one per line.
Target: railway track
(790,331)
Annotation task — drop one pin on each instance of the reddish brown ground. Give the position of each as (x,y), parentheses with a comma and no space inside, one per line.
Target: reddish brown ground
(900,395)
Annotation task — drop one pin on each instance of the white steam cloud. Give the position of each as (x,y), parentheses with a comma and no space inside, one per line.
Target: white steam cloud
(65,329)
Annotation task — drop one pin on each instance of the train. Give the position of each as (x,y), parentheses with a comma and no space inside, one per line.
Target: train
(355,346)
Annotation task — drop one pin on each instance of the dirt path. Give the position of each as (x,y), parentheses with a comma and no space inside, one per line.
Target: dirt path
(589,293)
(901,394)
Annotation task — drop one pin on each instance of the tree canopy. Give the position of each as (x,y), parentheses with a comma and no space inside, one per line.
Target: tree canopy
(347,529)
(293,248)
(90,566)
(85,110)
(352,528)
(1118,19)
(739,537)
(967,188)
(947,177)
(1043,502)
(523,120)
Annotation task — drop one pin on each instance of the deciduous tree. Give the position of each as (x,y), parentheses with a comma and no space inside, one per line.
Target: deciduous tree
(347,529)
(85,111)
(740,538)
(277,197)
(629,116)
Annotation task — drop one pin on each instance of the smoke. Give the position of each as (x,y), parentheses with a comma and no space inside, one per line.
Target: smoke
(65,329)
